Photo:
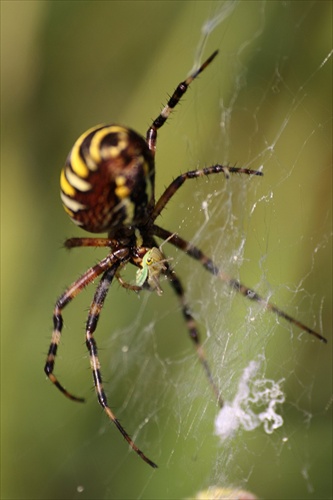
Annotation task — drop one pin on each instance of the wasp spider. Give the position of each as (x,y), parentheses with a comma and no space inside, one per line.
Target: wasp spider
(108,186)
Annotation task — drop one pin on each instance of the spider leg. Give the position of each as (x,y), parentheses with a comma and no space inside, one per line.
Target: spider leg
(193,174)
(192,329)
(87,242)
(151,136)
(100,242)
(209,265)
(126,285)
(71,292)
(92,321)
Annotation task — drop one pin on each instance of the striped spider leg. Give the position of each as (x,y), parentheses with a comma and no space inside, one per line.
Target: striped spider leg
(250,294)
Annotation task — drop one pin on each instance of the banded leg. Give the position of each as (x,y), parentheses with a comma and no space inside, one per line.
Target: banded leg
(100,242)
(88,242)
(193,174)
(62,302)
(193,330)
(151,136)
(250,294)
(92,321)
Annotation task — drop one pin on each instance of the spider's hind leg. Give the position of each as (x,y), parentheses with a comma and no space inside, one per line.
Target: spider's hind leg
(193,330)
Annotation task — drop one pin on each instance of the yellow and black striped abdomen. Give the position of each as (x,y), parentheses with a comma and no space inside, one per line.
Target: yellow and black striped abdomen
(108,179)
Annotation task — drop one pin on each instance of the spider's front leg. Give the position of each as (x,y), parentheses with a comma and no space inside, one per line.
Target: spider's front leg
(151,136)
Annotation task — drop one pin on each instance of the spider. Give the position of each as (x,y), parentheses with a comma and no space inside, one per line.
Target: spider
(107,186)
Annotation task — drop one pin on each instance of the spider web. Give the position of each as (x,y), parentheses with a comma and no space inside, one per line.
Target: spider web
(266,369)
(264,103)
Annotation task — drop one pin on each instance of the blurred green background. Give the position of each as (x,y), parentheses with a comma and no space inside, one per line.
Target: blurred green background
(266,100)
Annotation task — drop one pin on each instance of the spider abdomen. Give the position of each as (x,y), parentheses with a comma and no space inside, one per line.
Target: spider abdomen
(108,179)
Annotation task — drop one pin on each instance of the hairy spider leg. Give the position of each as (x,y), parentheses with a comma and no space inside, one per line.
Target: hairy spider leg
(93,317)
(151,136)
(209,265)
(71,292)
(192,329)
(100,242)
(193,174)
(88,242)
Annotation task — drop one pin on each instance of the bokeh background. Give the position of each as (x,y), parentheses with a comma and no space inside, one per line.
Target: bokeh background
(266,101)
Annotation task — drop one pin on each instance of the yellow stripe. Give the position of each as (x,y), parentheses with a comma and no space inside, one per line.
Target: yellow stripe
(122,191)
(76,181)
(113,151)
(78,165)
(73,205)
(66,187)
